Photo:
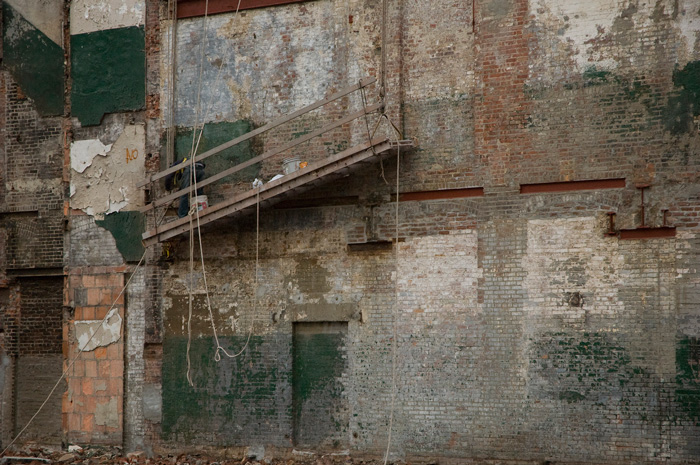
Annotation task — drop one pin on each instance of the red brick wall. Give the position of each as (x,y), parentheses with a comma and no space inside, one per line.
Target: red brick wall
(92,405)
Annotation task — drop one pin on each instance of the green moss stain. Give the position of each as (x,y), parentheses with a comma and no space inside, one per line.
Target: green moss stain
(587,367)
(109,73)
(682,109)
(687,393)
(215,134)
(593,76)
(35,61)
(232,399)
(127,228)
(318,365)
(571,396)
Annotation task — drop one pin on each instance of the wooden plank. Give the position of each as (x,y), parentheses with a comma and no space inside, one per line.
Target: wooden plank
(293,143)
(312,167)
(313,172)
(272,124)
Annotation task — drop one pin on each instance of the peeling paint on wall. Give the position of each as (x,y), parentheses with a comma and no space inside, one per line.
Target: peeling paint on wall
(575,257)
(105,333)
(247,57)
(98,15)
(109,73)
(82,153)
(107,183)
(602,33)
(126,228)
(34,59)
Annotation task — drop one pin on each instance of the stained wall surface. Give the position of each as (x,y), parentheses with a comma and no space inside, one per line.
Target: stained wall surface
(515,326)
(498,311)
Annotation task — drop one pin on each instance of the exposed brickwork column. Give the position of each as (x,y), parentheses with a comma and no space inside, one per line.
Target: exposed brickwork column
(93,404)
(500,106)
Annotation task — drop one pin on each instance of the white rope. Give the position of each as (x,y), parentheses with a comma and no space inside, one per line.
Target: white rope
(219,348)
(194,210)
(396,292)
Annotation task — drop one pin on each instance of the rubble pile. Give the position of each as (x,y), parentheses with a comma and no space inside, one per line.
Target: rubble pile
(113,456)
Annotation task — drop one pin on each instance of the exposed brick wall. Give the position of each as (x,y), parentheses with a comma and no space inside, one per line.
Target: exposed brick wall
(93,403)
(41,317)
(521,330)
(33,155)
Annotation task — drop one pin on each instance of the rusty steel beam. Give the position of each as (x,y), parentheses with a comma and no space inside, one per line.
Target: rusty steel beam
(440,194)
(194,8)
(568,186)
(648,233)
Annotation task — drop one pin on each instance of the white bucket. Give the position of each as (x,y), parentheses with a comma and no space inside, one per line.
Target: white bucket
(200,201)
(290,165)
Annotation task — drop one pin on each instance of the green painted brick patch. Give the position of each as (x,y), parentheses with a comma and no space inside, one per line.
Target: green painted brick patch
(109,73)
(35,61)
(127,228)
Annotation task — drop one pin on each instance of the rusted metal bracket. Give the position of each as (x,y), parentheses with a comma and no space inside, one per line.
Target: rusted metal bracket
(641,188)
(611,224)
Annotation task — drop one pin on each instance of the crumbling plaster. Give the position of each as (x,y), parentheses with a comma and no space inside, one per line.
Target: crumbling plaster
(99,15)
(248,57)
(104,177)
(42,14)
(92,334)
(596,33)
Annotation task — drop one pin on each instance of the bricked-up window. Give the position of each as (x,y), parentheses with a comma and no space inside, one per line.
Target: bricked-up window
(192,8)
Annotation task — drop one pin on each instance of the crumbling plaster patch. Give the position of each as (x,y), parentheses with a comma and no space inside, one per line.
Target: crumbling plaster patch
(243,52)
(99,15)
(583,26)
(82,153)
(108,184)
(107,413)
(44,15)
(105,333)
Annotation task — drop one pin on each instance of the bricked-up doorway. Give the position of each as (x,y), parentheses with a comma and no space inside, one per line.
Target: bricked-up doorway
(37,333)
(319,402)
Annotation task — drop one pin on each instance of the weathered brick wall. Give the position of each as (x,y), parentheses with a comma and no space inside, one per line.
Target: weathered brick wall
(31,225)
(39,357)
(523,331)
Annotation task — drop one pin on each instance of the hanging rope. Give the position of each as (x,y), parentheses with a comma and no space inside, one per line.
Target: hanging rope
(382,82)
(397,135)
(194,211)
(219,349)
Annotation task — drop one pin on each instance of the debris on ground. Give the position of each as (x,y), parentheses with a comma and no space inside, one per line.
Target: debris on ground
(77,455)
